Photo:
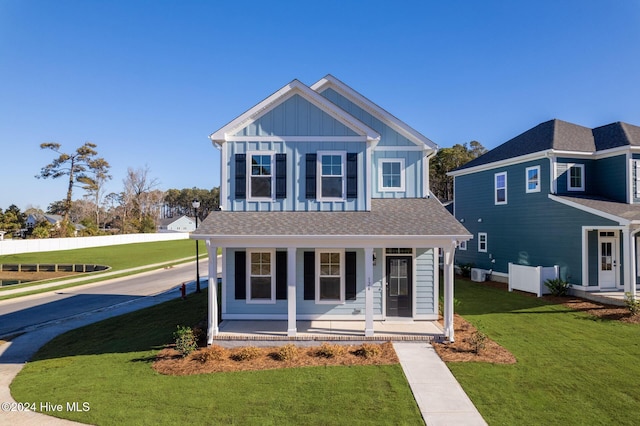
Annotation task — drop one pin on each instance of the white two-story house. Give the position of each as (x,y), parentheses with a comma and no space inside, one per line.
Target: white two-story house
(326,213)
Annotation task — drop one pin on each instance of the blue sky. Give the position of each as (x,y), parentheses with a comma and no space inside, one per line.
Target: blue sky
(148,81)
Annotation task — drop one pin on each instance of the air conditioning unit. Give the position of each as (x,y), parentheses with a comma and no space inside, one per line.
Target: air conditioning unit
(478,275)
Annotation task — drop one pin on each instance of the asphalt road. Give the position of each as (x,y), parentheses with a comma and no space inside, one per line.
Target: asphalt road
(28,311)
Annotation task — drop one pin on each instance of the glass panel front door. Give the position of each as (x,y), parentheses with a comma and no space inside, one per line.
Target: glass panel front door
(399,283)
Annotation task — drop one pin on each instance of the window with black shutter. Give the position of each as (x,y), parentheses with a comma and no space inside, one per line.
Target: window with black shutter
(310,176)
(241,176)
(240,277)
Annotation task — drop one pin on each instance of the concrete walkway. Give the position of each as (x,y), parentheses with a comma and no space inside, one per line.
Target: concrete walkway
(440,397)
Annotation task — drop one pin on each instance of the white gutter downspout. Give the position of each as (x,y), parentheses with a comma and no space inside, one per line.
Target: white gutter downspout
(426,191)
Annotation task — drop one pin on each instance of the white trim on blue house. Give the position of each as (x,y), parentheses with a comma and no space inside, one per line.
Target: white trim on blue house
(401,186)
(622,221)
(528,180)
(272,275)
(295,87)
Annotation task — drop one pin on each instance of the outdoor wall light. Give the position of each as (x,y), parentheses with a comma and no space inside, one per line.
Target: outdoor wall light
(479,219)
(374,258)
(462,220)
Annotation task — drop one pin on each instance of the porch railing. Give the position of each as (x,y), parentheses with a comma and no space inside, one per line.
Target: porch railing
(531,279)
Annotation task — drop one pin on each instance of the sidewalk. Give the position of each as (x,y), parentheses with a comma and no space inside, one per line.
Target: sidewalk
(441,399)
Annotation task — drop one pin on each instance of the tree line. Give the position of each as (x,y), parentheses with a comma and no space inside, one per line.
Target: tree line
(137,208)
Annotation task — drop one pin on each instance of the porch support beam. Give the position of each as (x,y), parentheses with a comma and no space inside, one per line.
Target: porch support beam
(212,293)
(448,253)
(627,259)
(368,300)
(292,329)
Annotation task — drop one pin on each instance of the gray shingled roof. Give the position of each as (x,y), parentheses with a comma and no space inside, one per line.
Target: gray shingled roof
(563,136)
(388,217)
(624,211)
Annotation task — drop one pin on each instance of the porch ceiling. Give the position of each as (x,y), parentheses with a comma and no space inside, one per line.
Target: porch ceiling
(415,217)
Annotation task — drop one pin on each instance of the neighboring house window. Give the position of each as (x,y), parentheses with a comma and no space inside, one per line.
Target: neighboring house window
(575,177)
(482,242)
(533,179)
(261,176)
(261,282)
(390,174)
(332,177)
(501,188)
(462,245)
(330,282)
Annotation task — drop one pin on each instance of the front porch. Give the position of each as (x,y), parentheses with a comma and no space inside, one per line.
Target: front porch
(424,331)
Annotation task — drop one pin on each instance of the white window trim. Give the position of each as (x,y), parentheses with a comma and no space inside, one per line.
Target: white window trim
(526,180)
(342,278)
(636,166)
(343,155)
(381,187)
(462,245)
(495,188)
(481,241)
(273,175)
(273,277)
(569,167)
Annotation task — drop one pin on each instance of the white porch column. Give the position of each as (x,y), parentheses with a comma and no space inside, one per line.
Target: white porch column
(627,260)
(292,329)
(212,296)
(448,292)
(368,299)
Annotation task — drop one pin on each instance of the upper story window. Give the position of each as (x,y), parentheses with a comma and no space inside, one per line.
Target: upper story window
(636,173)
(533,179)
(500,188)
(390,174)
(575,177)
(462,245)
(261,176)
(331,167)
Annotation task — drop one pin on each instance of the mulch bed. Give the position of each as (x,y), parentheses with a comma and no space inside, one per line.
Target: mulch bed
(218,359)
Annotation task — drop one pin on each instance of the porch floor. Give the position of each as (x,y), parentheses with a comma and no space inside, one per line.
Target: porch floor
(613,297)
(425,331)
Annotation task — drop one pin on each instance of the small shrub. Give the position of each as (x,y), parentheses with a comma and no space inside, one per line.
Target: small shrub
(557,286)
(368,351)
(465,269)
(327,350)
(212,353)
(632,304)
(186,341)
(478,341)
(288,352)
(246,353)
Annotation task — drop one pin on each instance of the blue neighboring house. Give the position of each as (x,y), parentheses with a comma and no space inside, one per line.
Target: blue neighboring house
(558,194)
(326,214)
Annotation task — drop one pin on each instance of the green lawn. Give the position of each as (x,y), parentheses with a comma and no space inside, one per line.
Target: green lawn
(572,369)
(108,365)
(118,257)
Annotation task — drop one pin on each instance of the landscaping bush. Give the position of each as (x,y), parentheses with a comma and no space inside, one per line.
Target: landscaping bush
(246,353)
(368,351)
(632,304)
(212,353)
(288,352)
(328,350)
(557,286)
(186,341)
(465,269)
(478,341)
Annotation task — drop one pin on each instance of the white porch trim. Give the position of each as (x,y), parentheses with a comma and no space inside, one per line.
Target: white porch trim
(368,302)
(291,292)
(448,255)
(212,293)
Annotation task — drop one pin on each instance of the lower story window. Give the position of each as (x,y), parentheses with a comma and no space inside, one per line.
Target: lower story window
(482,242)
(261,281)
(330,284)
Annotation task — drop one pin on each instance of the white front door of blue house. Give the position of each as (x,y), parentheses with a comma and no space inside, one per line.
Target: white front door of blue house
(607,261)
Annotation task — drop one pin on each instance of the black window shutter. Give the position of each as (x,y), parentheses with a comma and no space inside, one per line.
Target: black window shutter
(350,275)
(309,275)
(281,175)
(310,185)
(352,175)
(241,275)
(281,275)
(241,176)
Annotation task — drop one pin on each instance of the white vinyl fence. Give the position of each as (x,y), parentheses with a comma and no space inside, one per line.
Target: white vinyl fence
(55,244)
(531,278)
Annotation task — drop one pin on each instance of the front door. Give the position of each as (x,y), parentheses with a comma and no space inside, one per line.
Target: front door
(399,285)
(608,262)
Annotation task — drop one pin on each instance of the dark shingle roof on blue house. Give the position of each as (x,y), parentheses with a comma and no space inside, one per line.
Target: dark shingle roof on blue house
(561,136)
